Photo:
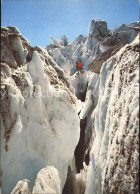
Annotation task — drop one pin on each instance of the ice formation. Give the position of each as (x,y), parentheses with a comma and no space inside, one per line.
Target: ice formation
(65,131)
(47,181)
(89,47)
(34,123)
(114,154)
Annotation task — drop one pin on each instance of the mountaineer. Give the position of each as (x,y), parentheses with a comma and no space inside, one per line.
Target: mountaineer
(79,65)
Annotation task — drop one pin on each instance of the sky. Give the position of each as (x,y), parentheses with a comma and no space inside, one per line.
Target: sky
(37,20)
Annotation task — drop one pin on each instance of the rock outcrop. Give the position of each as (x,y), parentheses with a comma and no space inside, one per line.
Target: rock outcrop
(116,39)
(98,31)
(96,64)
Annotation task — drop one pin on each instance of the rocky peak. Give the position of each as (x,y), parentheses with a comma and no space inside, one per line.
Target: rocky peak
(98,27)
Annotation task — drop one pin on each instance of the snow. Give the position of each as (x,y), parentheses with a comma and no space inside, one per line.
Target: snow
(13,29)
(114,119)
(62,62)
(80,49)
(38,125)
(54,41)
(21,53)
(64,40)
(21,187)
(88,62)
(88,47)
(87,107)
(81,179)
(91,95)
(13,52)
(97,25)
(79,83)
(36,68)
(47,181)
(44,99)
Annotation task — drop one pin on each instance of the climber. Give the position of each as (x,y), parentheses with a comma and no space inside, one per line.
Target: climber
(79,65)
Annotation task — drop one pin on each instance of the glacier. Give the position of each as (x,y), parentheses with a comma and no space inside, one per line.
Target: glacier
(114,152)
(70,132)
(33,123)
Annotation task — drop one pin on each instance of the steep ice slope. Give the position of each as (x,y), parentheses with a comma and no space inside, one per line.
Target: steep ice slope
(114,155)
(35,131)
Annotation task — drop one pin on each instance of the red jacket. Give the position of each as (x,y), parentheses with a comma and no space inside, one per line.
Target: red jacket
(79,64)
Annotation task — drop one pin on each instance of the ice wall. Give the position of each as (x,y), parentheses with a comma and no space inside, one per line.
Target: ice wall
(114,155)
(40,125)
